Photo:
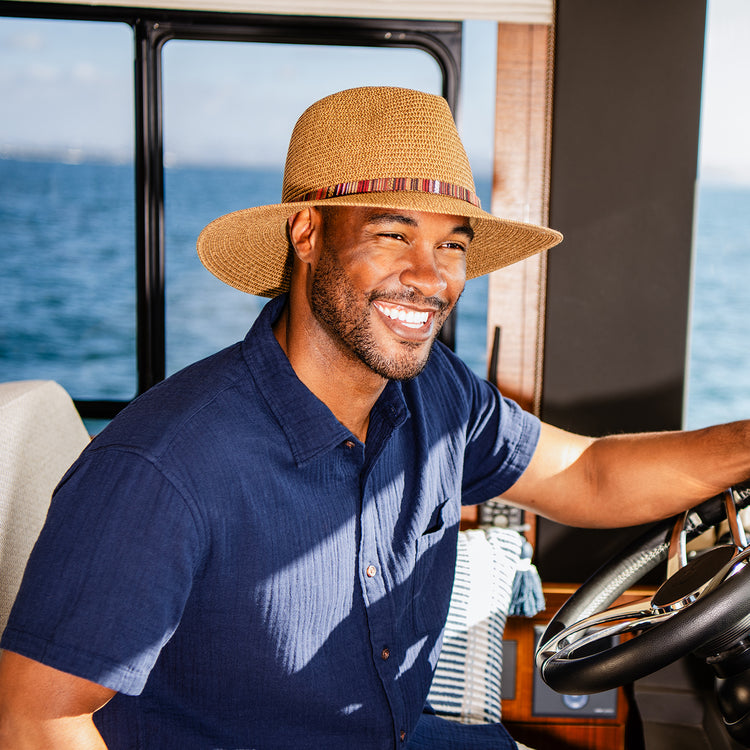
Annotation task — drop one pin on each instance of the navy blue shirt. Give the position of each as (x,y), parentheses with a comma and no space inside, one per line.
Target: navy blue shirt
(247,574)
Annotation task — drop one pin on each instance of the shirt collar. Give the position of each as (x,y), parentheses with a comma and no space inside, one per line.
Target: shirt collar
(308,424)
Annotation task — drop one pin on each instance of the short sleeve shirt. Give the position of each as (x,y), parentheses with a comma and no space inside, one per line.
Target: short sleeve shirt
(246,573)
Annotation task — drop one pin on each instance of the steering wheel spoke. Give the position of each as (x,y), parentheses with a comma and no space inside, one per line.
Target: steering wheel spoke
(730,568)
(626,618)
(736,529)
(677,554)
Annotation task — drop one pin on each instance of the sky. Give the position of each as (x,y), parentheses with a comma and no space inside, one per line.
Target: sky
(72,91)
(725,109)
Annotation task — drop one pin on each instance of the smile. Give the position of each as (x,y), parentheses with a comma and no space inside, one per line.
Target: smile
(409,318)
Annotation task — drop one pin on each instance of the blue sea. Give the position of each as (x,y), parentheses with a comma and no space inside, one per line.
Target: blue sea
(67,287)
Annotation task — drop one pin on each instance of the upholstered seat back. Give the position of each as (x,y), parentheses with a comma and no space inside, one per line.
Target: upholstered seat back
(41,434)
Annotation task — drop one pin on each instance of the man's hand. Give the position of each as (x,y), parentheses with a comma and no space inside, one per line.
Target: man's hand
(624,480)
(43,708)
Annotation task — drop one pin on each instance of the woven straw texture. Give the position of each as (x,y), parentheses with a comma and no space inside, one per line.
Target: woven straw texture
(41,435)
(362,134)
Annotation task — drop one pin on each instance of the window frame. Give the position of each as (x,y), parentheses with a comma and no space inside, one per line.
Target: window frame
(152,28)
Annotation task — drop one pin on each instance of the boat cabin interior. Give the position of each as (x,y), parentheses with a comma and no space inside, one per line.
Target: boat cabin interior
(594,113)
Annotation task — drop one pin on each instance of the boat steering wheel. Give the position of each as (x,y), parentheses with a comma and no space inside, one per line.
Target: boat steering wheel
(703,606)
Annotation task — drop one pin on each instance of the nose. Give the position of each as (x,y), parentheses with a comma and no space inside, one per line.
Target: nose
(423,272)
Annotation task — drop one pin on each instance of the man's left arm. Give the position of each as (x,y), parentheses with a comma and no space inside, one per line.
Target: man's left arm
(624,480)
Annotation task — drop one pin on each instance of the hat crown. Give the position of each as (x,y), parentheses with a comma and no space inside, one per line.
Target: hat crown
(377,147)
(372,133)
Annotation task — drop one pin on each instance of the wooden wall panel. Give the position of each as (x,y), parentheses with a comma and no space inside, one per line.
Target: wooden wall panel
(520,191)
(556,732)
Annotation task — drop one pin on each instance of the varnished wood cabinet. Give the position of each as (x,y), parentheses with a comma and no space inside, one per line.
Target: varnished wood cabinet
(554,732)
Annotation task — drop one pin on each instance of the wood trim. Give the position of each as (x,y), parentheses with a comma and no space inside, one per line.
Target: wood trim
(554,733)
(521,630)
(568,736)
(521,191)
(515,310)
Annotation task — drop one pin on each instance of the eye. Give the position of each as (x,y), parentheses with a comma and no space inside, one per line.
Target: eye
(391,235)
(460,246)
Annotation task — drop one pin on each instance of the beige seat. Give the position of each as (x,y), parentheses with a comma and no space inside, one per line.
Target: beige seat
(41,434)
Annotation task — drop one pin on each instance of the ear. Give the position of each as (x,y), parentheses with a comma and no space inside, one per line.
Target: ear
(304,229)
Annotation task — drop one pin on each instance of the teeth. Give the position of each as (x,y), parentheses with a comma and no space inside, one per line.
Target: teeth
(411,318)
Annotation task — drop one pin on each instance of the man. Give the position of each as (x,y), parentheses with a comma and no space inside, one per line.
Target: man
(259,551)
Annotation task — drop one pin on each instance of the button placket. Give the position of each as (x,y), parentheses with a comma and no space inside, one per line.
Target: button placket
(375,578)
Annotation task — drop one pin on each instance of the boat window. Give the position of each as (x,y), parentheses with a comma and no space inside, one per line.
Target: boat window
(229,110)
(67,288)
(718,388)
(102,289)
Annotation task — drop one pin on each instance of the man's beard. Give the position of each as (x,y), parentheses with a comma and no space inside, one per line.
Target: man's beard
(345,313)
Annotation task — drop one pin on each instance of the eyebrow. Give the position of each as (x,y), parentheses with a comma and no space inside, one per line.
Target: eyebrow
(387,217)
(466,230)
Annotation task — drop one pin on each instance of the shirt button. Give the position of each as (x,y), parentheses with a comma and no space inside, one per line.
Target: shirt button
(371,571)
(385,653)
(402,735)
(349,444)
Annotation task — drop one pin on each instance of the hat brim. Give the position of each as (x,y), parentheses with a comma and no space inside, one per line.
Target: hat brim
(249,249)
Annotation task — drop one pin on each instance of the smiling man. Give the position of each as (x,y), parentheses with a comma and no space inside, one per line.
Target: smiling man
(370,291)
(259,552)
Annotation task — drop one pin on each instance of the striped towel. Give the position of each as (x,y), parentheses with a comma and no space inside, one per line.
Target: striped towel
(467,681)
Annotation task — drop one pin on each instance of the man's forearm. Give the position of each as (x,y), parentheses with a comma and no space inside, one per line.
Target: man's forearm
(624,480)
(650,476)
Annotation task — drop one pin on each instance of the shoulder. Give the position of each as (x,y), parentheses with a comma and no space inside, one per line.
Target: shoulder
(450,392)
(202,398)
(207,391)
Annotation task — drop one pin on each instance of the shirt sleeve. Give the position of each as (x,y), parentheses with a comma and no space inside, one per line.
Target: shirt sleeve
(107,581)
(500,442)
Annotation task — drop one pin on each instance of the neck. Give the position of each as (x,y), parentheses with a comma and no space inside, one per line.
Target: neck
(344,384)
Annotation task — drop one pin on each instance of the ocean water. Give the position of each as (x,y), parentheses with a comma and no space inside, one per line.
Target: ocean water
(718,383)
(67,287)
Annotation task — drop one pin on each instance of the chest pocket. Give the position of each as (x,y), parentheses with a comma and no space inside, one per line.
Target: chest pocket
(434,566)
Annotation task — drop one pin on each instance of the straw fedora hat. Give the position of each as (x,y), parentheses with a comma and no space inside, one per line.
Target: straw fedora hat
(373,146)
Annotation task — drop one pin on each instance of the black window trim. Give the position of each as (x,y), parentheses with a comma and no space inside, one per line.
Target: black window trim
(152,29)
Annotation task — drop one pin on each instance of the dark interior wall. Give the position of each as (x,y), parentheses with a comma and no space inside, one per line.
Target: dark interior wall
(624,163)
